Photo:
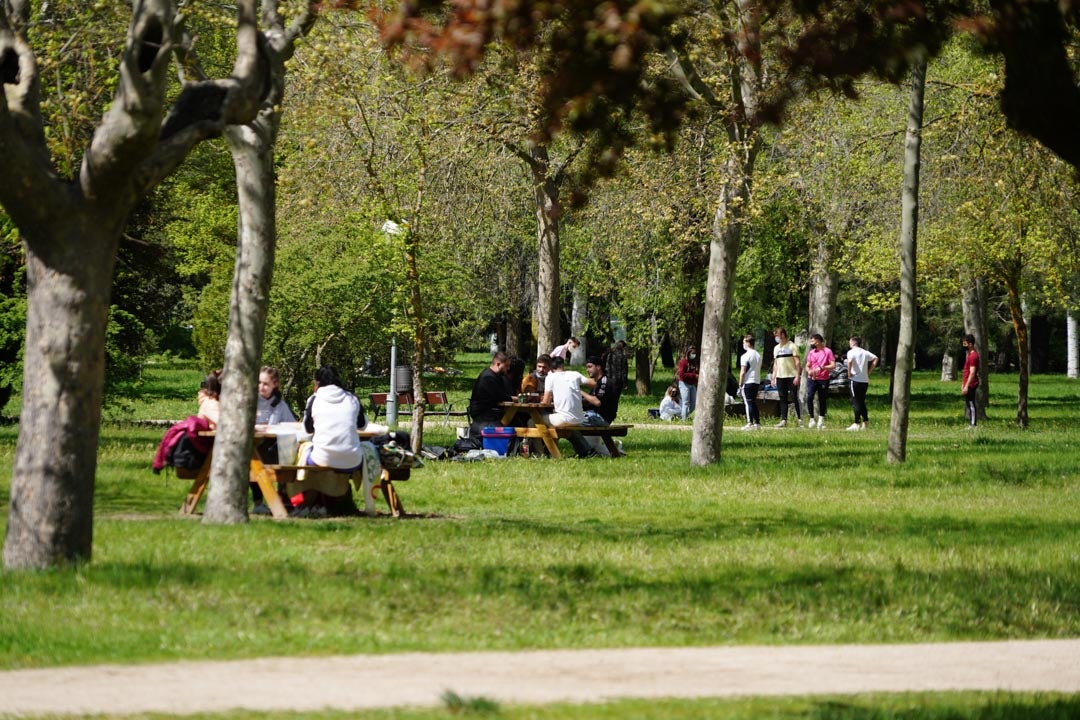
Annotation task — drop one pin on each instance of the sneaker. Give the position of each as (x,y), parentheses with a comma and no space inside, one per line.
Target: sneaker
(821,424)
(800,422)
(854,426)
(782,423)
(261,509)
(757,426)
(748,426)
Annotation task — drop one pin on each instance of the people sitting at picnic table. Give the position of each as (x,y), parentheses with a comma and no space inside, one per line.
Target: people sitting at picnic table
(562,389)
(332,416)
(533,383)
(491,388)
(208,399)
(602,404)
(270,409)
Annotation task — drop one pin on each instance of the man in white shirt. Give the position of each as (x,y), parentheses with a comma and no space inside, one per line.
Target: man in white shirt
(860,363)
(562,388)
(750,381)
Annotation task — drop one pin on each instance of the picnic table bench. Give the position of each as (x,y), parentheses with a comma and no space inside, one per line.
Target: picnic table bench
(550,434)
(267,478)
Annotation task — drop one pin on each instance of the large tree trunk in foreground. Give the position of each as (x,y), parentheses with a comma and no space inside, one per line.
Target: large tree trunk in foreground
(71,230)
(905,346)
(52,485)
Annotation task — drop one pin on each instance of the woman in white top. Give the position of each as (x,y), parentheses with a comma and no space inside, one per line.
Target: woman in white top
(332,416)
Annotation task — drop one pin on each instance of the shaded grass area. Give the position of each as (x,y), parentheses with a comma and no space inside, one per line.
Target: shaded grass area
(796,537)
(922,706)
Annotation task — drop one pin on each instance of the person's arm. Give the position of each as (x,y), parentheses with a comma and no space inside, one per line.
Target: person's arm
(591,399)
(742,373)
(832,362)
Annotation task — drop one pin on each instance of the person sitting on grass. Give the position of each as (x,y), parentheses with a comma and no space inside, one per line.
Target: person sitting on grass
(670,407)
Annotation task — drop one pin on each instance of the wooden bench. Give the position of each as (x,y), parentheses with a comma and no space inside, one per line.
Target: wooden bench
(379,400)
(288,473)
(438,404)
(546,433)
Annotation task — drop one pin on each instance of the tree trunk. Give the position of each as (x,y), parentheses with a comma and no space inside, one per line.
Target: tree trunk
(643,371)
(706,445)
(548,290)
(948,365)
(1016,311)
(824,286)
(577,328)
(252,149)
(1071,346)
(69,283)
(974,303)
(905,346)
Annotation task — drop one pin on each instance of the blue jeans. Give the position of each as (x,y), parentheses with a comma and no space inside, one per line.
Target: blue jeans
(688,395)
(594,419)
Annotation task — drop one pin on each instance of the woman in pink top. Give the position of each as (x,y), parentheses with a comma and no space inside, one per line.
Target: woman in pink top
(819,363)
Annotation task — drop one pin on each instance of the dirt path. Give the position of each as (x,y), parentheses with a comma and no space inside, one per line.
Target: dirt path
(420,679)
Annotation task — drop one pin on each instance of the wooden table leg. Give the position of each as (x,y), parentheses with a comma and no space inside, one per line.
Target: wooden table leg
(390,494)
(609,442)
(198,487)
(551,440)
(267,482)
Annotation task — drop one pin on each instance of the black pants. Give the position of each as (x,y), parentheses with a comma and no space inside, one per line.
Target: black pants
(969,403)
(749,396)
(785,387)
(858,400)
(821,389)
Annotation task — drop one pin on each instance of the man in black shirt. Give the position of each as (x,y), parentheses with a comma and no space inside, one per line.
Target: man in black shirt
(603,403)
(490,389)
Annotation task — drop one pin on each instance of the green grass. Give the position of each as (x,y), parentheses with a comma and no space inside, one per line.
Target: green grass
(798,536)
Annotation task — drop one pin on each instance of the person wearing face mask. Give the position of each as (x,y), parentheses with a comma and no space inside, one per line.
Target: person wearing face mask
(687,375)
(819,363)
(785,375)
(750,381)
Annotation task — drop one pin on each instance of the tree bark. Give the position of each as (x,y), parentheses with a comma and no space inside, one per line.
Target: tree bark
(706,444)
(643,366)
(71,232)
(577,328)
(252,149)
(905,347)
(1011,276)
(548,290)
(50,520)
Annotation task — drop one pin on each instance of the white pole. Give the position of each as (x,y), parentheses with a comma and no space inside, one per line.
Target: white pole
(1071,345)
(391,400)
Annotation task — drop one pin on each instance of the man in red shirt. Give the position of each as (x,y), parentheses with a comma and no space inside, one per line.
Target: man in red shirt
(970,377)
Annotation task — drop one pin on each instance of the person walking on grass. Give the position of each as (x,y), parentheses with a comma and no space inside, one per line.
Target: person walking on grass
(819,364)
(785,375)
(970,379)
(860,363)
(750,382)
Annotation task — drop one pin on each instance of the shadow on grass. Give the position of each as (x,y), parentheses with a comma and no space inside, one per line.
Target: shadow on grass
(994,708)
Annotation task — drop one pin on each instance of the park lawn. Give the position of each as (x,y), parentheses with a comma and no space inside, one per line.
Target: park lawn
(798,536)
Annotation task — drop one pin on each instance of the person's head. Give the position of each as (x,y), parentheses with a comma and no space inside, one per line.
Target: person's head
(691,353)
(269,382)
(620,345)
(816,340)
(855,341)
(543,365)
(672,390)
(211,385)
(594,367)
(572,344)
(968,341)
(557,364)
(780,335)
(748,342)
(327,375)
(500,363)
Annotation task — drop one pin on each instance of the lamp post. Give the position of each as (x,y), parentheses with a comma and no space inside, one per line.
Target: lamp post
(391,400)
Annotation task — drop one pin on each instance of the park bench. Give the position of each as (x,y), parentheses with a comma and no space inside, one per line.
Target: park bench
(438,404)
(379,400)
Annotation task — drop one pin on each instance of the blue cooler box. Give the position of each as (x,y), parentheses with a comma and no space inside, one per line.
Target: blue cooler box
(497,438)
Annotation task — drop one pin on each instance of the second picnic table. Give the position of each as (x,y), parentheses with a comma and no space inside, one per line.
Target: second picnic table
(550,434)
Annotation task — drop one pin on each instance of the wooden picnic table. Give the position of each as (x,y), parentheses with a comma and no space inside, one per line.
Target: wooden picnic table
(550,434)
(267,476)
